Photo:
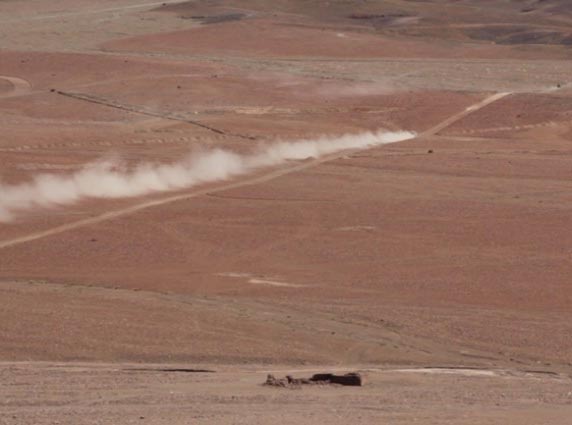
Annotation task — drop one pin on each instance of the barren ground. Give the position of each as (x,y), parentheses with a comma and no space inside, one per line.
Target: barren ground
(439,266)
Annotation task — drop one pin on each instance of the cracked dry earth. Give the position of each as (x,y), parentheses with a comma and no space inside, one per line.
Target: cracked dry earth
(437,267)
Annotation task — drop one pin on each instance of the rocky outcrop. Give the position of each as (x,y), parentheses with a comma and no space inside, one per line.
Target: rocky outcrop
(350,379)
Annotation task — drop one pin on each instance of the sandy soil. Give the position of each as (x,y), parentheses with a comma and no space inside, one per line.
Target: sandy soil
(450,250)
(132,393)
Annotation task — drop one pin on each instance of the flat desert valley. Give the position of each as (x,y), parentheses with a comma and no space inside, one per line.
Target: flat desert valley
(194,194)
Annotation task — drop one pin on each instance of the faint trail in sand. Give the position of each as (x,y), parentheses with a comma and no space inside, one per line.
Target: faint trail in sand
(20,86)
(246,182)
(471,109)
(139,110)
(469,371)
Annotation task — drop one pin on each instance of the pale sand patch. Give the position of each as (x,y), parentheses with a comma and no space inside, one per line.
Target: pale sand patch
(450,371)
(261,280)
(275,283)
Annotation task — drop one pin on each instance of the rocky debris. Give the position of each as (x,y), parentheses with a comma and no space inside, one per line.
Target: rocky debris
(349,379)
(272,381)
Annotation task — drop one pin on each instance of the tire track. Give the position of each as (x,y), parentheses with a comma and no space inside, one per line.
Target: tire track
(468,111)
(247,182)
(507,128)
(125,142)
(141,111)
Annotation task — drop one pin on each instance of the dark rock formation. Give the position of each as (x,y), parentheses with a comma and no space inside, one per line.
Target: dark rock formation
(350,379)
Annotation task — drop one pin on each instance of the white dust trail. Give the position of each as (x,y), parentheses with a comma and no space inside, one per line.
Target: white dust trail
(111,179)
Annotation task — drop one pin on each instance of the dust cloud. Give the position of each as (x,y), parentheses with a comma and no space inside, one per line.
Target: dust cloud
(113,179)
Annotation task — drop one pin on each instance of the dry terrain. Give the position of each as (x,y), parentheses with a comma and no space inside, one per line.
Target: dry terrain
(439,266)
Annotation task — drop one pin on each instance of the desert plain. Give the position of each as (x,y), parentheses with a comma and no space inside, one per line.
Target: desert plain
(439,267)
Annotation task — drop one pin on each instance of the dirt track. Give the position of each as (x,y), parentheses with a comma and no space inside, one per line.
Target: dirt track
(252,181)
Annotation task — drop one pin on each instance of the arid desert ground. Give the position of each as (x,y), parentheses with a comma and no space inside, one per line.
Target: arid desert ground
(438,266)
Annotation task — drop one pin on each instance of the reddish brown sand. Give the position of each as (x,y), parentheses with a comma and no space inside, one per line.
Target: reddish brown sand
(449,250)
